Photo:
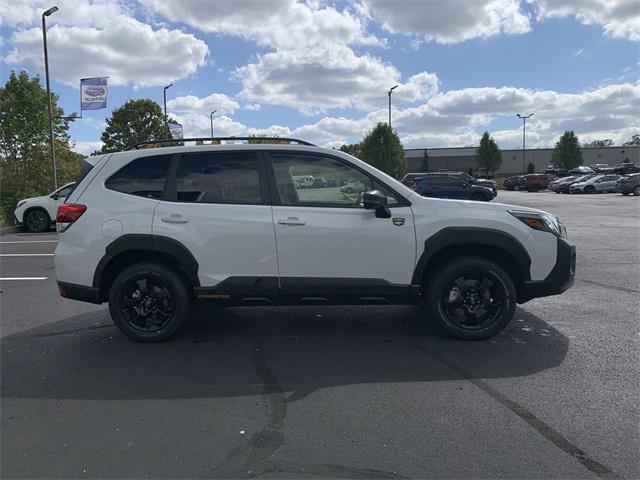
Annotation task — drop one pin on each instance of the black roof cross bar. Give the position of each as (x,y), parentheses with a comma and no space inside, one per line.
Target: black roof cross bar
(257,140)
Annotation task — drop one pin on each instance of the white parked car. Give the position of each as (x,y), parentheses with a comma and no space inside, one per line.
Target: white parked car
(598,183)
(38,213)
(153,230)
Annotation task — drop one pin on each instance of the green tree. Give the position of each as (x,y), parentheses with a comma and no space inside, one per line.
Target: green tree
(381,147)
(567,153)
(488,156)
(134,122)
(25,161)
(352,149)
(635,140)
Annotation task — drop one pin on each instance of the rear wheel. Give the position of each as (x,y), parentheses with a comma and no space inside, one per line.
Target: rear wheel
(37,221)
(471,298)
(149,302)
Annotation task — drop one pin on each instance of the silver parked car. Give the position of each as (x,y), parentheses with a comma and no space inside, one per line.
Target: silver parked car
(599,183)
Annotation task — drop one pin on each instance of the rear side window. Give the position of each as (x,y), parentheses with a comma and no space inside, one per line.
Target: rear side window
(143,177)
(219,177)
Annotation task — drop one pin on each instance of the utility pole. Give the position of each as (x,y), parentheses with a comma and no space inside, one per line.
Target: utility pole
(211,117)
(164,93)
(524,130)
(389,93)
(52,146)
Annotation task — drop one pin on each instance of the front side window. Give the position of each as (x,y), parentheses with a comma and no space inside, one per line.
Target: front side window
(219,177)
(64,192)
(311,180)
(143,177)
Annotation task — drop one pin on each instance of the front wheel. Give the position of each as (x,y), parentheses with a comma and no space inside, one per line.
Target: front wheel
(37,221)
(589,189)
(471,298)
(149,302)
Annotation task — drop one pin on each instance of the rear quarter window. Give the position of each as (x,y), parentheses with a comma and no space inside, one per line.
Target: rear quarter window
(142,177)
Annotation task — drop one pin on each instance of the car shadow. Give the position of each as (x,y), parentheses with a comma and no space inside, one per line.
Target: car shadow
(230,352)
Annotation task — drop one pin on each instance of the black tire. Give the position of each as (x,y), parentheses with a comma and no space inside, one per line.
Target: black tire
(636,191)
(516,188)
(481,286)
(625,193)
(589,189)
(478,197)
(149,302)
(37,220)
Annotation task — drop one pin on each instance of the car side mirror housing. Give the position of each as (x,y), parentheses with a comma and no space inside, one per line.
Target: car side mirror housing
(376,200)
(55,196)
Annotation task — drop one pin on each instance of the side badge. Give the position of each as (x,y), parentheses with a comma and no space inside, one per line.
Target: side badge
(398,221)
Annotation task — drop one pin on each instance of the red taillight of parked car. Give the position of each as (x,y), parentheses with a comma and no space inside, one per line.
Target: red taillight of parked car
(67,214)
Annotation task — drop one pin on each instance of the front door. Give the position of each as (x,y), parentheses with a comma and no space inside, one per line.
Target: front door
(328,244)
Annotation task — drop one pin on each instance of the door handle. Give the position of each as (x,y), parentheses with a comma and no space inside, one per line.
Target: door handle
(293,221)
(174,218)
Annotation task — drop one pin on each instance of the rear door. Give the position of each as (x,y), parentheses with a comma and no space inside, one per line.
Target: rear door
(327,242)
(216,204)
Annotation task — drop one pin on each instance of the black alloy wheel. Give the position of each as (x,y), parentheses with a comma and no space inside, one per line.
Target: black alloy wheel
(37,221)
(474,301)
(471,298)
(149,302)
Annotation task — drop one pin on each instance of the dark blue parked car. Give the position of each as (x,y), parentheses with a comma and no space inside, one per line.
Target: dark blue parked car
(451,187)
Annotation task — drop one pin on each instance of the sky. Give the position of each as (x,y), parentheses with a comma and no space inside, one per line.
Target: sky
(320,70)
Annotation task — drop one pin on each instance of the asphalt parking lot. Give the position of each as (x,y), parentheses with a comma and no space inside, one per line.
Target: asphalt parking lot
(348,392)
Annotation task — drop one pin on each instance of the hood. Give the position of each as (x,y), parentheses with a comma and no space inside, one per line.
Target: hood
(485,181)
(491,206)
(42,198)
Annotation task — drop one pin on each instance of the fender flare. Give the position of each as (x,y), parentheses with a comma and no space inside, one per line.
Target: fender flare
(183,258)
(472,236)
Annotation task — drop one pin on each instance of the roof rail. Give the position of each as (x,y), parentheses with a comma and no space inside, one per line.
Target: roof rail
(257,140)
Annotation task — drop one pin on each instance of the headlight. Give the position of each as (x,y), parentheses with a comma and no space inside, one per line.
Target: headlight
(541,221)
(20,203)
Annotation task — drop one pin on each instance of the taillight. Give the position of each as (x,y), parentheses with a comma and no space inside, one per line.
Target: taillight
(67,214)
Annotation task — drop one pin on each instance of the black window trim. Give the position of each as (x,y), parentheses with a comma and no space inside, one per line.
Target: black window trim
(273,184)
(170,193)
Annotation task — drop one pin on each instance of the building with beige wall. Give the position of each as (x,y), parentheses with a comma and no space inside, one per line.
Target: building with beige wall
(462,158)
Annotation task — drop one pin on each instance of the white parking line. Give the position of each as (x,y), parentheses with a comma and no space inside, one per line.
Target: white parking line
(26,254)
(32,241)
(23,278)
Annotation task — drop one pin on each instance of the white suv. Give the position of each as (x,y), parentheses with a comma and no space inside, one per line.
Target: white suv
(152,231)
(37,213)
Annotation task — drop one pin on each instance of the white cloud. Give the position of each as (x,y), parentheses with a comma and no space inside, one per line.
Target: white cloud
(450,21)
(216,101)
(618,18)
(331,76)
(71,12)
(126,50)
(456,118)
(86,148)
(276,23)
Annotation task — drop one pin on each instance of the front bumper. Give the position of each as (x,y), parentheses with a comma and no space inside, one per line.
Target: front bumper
(560,279)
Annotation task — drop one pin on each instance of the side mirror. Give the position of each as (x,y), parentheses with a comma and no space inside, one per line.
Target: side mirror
(376,200)
(55,196)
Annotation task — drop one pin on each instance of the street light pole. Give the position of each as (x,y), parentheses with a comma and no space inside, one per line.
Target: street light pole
(211,117)
(389,93)
(46,74)
(524,130)
(164,93)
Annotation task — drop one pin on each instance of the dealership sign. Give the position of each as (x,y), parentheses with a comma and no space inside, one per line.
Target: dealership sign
(175,129)
(93,93)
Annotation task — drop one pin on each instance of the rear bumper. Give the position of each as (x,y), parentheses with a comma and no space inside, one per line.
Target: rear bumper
(560,279)
(79,292)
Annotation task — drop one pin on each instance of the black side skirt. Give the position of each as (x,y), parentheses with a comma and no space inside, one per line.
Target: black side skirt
(308,291)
